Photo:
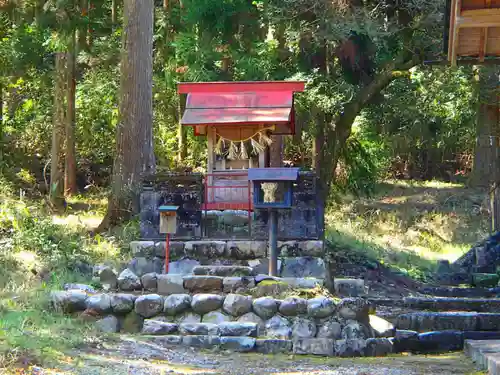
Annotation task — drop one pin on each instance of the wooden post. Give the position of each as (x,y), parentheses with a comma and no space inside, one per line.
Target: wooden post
(273,242)
(495,188)
(167,253)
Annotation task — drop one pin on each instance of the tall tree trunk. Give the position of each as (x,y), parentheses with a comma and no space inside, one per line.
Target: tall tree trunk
(70,165)
(83,30)
(56,188)
(486,126)
(1,127)
(134,157)
(114,12)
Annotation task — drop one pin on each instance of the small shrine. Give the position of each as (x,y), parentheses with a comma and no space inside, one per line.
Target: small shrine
(472,30)
(240,196)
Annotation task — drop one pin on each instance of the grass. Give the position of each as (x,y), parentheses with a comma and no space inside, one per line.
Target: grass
(410,225)
(39,252)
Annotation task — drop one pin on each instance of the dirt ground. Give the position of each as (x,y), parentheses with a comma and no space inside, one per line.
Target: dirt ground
(127,356)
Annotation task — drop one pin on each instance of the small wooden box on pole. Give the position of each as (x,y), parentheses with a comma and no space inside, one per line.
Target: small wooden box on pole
(168,226)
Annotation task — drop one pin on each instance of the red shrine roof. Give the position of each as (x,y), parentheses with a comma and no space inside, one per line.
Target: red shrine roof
(241,103)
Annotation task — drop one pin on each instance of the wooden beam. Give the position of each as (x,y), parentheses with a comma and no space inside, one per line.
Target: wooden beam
(451,31)
(483,44)
(454,46)
(479,21)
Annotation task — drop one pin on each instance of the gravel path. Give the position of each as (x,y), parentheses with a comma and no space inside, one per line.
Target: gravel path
(130,357)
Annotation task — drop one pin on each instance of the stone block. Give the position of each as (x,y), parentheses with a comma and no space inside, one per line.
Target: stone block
(149,305)
(238,329)
(330,329)
(237,304)
(215,317)
(205,249)
(198,329)
(354,331)
(182,267)
(100,303)
(142,265)
(303,267)
(355,308)
(261,266)
(129,281)
(122,303)
(303,328)
(320,307)
(156,327)
(176,304)
(237,284)
(253,318)
(237,344)
(265,307)
(244,250)
(270,287)
(176,249)
(200,284)
(321,346)
(292,306)
(440,342)
(350,347)
(68,301)
(204,303)
(166,340)
(170,284)
(109,324)
(278,328)
(487,322)
(349,287)
(273,346)
(313,248)
(405,341)
(149,282)
(303,283)
(142,248)
(485,280)
(224,271)
(201,341)
(379,347)
(188,318)
(381,327)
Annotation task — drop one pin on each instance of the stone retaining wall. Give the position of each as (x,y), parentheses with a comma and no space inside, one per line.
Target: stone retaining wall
(242,323)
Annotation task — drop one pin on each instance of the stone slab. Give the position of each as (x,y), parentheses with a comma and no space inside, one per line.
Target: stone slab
(246,249)
(237,344)
(324,347)
(273,346)
(201,284)
(303,267)
(224,271)
(349,287)
(201,341)
(440,321)
(485,354)
(170,284)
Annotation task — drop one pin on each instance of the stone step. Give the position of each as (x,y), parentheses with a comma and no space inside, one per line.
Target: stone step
(441,321)
(460,292)
(224,271)
(485,354)
(441,304)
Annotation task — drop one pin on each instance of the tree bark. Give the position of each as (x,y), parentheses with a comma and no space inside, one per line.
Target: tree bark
(56,188)
(1,127)
(486,127)
(134,157)
(70,165)
(114,12)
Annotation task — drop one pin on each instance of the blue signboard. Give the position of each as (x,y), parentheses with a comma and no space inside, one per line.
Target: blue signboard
(273,174)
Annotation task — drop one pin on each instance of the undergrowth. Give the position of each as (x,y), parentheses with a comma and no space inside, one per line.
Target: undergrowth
(408,226)
(39,252)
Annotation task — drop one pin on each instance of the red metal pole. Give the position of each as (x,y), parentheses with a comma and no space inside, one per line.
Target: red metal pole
(167,252)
